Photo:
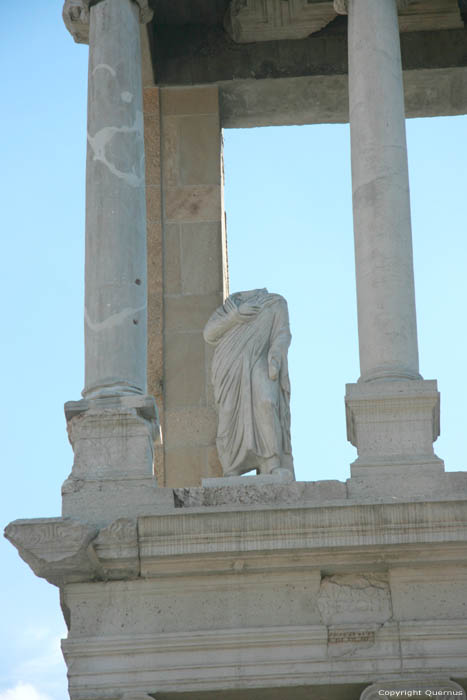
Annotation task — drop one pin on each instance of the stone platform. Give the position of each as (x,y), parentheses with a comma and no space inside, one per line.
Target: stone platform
(297,590)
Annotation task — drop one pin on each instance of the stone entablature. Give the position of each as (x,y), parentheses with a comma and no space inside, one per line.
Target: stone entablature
(203,598)
(256,20)
(272,20)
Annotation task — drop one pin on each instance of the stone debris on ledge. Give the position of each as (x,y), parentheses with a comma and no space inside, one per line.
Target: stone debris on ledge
(412,484)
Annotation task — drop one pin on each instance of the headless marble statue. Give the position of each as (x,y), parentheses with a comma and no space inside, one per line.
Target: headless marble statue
(251,382)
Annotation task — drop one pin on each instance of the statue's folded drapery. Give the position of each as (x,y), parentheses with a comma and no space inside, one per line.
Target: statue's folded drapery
(251,382)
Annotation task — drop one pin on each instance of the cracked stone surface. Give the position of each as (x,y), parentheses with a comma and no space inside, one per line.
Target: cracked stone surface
(352,598)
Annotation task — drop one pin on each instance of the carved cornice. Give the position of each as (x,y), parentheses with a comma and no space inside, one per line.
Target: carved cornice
(197,542)
(76,15)
(57,549)
(342,6)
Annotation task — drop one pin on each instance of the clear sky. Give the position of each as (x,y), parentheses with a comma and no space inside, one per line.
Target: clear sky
(289,228)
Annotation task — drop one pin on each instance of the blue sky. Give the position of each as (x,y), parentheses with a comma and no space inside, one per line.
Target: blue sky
(290,229)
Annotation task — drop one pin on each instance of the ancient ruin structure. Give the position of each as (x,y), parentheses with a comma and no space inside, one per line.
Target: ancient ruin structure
(183,584)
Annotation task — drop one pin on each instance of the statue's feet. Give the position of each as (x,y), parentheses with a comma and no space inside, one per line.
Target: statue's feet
(269,464)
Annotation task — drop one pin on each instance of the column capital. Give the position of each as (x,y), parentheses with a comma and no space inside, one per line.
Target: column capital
(342,6)
(76,15)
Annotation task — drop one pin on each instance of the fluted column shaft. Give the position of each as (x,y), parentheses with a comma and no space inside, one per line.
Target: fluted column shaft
(381,204)
(115,271)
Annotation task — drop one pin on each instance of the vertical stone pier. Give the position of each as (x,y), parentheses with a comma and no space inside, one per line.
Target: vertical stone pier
(113,429)
(187,273)
(392,413)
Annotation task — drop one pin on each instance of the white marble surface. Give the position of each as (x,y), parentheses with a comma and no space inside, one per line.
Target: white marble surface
(251,335)
(381,203)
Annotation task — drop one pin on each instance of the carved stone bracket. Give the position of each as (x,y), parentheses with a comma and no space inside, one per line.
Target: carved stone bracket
(57,549)
(117,549)
(342,6)
(65,551)
(76,15)
(270,20)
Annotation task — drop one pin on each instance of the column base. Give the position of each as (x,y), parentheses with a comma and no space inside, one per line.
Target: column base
(393,425)
(112,475)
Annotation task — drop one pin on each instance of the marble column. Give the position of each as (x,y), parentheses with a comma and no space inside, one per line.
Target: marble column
(380,185)
(115,269)
(112,430)
(392,413)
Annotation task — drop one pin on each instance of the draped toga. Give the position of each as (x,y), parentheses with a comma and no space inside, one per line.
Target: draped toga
(253,409)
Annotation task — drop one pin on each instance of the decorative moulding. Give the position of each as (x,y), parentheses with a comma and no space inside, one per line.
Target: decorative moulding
(269,20)
(342,6)
(421,15)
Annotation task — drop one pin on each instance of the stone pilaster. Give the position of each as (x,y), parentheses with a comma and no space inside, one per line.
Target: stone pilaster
(187,273)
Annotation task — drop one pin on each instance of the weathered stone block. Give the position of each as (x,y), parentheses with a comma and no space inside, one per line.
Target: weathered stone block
(190,312)
(199,150)
(350,598)
(201,248)
(202,100)
(170,152)
(184,466)
(429,593)
(184,370)
(190,426)
(193,203)
(172,259)
(153,202)
(152,141)
(265,489)
(151,100)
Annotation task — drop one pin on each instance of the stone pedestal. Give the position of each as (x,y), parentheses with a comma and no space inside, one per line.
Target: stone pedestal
(112,475)
(393,426)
